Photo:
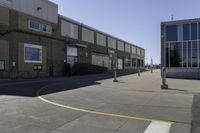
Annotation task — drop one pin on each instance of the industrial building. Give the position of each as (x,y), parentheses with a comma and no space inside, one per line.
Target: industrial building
(180,48)
(35,41)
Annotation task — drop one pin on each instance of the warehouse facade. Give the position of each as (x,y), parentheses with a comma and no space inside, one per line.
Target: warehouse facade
(180,48)
(35,41)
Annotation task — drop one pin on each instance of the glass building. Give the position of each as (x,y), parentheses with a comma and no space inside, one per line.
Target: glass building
(180,44)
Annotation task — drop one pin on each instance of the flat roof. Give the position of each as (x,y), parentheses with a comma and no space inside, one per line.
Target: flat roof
(181,21)
(101,32)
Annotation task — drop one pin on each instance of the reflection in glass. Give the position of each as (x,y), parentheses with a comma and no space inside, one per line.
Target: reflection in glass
(167,54)
(184,54)
(175,55)
(189,54)
(194,54)
(186,32)
(194,31)
(171,33)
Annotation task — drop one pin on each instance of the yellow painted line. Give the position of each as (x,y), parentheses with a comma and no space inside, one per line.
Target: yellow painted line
(98,113)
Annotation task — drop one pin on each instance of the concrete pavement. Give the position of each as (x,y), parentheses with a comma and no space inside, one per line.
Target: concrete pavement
(133,96)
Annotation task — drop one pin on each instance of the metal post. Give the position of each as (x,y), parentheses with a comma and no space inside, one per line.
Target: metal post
(138,71)
(151,65)
(115,68)
(163,74)
(115,75)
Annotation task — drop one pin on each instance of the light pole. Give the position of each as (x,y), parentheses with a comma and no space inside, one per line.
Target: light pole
(115,68)
(113,59)
(151,65)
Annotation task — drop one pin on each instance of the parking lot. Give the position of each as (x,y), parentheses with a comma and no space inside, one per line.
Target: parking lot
(95,104)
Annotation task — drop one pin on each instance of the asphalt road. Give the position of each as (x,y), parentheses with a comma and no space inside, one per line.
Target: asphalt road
(94,104)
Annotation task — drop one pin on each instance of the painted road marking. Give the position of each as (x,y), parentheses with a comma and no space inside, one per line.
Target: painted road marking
(96,112)
(158,127)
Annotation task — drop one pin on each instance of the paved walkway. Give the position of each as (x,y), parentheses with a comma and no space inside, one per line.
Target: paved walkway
(88,104)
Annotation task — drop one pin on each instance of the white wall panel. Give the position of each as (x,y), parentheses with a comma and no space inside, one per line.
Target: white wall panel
(120,45)
(69,29)
(127,48)
(138,51)
(101,39)
(112,43)
(133,50)
(87,35)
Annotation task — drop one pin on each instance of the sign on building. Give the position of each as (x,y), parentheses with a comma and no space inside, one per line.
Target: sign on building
(32,53)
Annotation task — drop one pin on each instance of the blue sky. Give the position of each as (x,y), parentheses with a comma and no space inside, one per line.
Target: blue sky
(136,21)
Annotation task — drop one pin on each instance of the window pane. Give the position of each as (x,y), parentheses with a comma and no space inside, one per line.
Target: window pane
(189,54)
(184,54)
(199,30)
(199,53)
(175,55)
(138,62)
(179,50)
(171,33)
(133,62)
(194,54)
(194,31)
(167,54)
(186,32)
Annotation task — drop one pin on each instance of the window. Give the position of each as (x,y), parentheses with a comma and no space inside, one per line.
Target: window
(138,62)
(128,62)
(189,54)
(134,63)
(167,54)
(2,65)
(171,33)
(186,32)
(185,54)
(34,25)
(32,53)
(175,55)
(194,54)
(194,31)
(46,28)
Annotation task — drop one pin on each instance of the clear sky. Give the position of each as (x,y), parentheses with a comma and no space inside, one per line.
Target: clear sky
(136,21)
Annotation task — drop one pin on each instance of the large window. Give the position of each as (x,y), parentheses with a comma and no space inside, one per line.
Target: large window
(32,53)
(189,54)
(2,65)
(186,32)
(171,33)
(194,31)
(185,55)
(167,54)
(128,62)
(175,55)
(134,63)
(194,54)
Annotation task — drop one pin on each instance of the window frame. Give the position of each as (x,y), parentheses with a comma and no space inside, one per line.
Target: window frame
(35,22)
(47,26)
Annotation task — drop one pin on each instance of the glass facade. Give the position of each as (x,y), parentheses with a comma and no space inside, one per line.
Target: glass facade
(171,33)
(182,45)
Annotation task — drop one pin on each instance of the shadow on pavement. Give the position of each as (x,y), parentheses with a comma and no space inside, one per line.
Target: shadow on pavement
(29,88)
